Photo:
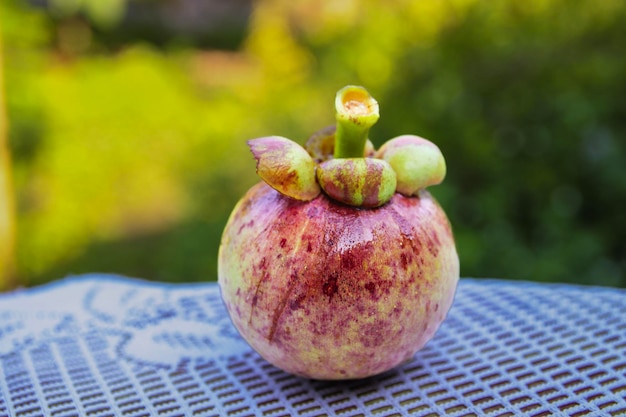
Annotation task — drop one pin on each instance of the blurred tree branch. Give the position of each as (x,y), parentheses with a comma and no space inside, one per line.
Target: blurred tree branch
(7,214)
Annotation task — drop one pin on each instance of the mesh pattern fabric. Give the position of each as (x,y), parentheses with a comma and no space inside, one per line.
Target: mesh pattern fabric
(101,345)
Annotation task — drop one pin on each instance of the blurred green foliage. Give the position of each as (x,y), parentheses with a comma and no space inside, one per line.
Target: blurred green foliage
(128,156)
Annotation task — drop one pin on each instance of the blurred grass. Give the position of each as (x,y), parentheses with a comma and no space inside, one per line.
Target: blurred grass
(128,154)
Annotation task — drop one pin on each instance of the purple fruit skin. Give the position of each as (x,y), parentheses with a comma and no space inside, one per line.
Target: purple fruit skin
(327,291)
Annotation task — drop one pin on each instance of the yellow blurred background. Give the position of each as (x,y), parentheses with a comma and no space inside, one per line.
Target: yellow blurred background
(122,140)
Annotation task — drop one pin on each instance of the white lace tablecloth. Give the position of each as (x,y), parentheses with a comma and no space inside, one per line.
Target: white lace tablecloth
(101,345)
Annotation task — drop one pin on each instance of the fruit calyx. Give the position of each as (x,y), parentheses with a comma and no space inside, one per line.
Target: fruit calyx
(341,160)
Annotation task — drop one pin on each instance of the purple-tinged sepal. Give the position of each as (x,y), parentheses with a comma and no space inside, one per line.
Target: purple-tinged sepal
(360,182)
(285,166)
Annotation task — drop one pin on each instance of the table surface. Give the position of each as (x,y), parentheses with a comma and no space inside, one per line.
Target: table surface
(101,345)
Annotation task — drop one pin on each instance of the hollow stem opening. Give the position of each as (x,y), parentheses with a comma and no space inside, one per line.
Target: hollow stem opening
(356,113)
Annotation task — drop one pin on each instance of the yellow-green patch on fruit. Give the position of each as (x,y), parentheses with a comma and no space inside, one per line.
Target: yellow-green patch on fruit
(417,162)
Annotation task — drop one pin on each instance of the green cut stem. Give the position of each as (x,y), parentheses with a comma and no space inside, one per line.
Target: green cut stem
(356,113)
